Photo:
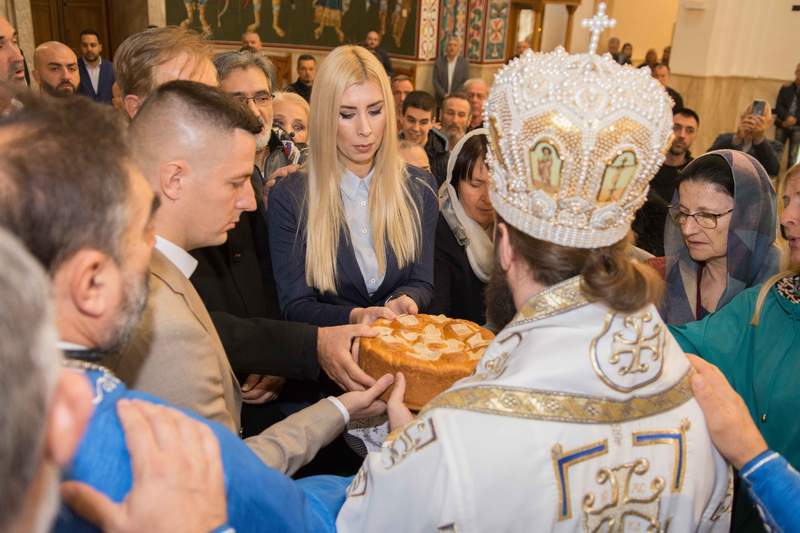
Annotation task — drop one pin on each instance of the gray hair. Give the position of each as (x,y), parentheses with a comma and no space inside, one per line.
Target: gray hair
(30,363)
(229,61)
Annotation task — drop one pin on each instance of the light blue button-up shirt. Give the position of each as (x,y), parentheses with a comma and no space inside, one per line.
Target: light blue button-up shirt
(355,201)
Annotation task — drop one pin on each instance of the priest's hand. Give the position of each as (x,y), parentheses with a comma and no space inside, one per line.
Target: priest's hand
(728,420)
(178,481)
(399,414)
(259,389)
(403,305)
(363,404)
(334,353)
(368,315)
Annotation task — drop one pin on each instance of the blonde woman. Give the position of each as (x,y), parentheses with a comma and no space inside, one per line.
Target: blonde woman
(352,234)
(290,112)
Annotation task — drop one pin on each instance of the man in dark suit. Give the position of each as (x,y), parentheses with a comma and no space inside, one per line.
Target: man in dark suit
(450,70)
(373,44)
(97,74)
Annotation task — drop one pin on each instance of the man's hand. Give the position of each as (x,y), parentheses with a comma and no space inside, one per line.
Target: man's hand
(368,315)
(403,305)
(178,482)
(335,358)
(273,178)
(363,404)
(399,414)
(789,122)
(728,420)
(259,389)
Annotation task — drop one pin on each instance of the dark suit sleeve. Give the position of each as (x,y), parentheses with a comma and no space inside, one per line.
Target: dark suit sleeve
(419,285)
(271,347)
(298,301)
(442,277)
(678,100)
(722,142)
(461,74)
(438,88)
(767,157)
(782,104)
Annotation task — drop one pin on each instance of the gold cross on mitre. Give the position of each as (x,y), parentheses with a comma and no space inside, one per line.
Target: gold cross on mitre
(597,25)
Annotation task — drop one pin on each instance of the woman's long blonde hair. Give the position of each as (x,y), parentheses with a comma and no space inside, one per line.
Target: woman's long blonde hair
(793,270)
(394,216)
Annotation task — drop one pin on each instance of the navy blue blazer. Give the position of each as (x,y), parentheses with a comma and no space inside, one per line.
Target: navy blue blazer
(104,92)
(301,303)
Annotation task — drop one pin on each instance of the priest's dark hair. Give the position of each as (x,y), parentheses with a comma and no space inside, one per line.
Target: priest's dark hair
(64,177)
(608,274)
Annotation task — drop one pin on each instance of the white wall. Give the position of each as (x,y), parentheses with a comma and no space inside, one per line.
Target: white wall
(747,38)
(554,28)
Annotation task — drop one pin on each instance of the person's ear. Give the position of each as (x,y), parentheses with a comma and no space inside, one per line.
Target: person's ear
(90,279)
(505,252)
(68,415)
(131,104)
(171,178)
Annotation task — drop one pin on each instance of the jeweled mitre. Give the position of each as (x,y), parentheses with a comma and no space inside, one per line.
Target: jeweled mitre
(574,141)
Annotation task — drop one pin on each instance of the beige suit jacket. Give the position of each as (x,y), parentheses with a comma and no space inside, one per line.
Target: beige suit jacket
(176,354)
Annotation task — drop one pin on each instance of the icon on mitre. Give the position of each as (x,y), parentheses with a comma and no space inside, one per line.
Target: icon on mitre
(545,166)
(618,174)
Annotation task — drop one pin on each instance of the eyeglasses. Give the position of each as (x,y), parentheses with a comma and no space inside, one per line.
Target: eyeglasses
(260,100)
(704,220)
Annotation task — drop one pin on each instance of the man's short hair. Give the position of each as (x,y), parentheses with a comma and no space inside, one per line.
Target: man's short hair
(419,100)
(686,112)
(89,31)
(80,202)
(457,94)
(306,57)
(401,77)
(30,364)
(230,61)
(199,102)
(661,65)
(141,53)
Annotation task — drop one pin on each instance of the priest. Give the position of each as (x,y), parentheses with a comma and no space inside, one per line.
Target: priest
(579,416)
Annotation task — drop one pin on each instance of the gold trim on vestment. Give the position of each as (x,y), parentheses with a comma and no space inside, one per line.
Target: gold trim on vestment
(559,298)
(671,437)
(560,406)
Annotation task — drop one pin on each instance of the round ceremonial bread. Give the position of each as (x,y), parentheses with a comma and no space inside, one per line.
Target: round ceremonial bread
(432,352)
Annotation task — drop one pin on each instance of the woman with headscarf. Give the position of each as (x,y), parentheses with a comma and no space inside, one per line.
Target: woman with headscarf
(464,255)
(720,237)
(755,342)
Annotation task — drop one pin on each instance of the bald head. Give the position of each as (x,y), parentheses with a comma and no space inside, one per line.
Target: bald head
(56,69)
(12,66)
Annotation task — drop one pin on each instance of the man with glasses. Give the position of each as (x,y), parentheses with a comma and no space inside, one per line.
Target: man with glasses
(652,217)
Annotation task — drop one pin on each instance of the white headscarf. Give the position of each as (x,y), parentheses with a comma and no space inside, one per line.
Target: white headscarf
(468,233)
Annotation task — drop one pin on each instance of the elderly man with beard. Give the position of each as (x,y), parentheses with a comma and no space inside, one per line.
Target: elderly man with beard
(12,64)
(455,117)
(99,278)
(55,69)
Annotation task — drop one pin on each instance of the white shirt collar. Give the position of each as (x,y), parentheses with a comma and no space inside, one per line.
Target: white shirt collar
(350,182)
(177,256)
(88,66)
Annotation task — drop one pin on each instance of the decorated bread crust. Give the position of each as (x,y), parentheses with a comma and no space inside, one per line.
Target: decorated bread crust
(432,352)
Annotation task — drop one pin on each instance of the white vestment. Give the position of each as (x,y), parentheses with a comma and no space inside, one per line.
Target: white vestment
(576,419)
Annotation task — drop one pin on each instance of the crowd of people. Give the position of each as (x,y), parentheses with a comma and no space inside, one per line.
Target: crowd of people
(185,289)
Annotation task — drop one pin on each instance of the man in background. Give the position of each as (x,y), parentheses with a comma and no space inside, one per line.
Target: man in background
(306,71)
(401,87)
(373,44)
(450,71)
(96,73)
(12,64)
(55,69)
(418,109)
(455,117)
(661,72)
(478,92)
(787,116)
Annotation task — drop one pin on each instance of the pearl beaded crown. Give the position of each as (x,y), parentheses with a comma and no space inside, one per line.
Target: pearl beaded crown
(574,140)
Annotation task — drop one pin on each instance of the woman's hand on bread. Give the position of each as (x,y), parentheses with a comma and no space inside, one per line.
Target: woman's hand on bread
(368,315)
(403,305)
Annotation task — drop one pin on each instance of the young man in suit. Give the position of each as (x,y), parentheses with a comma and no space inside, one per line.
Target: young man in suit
(97,74)
(450,70)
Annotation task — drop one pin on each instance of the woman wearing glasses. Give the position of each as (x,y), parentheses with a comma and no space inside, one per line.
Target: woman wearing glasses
(720,239)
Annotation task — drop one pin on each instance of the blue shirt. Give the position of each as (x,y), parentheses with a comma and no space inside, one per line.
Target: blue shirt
(355,201)
(774,486)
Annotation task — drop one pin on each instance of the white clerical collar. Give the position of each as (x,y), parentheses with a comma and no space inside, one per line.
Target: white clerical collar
(177,256)
(71,346)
